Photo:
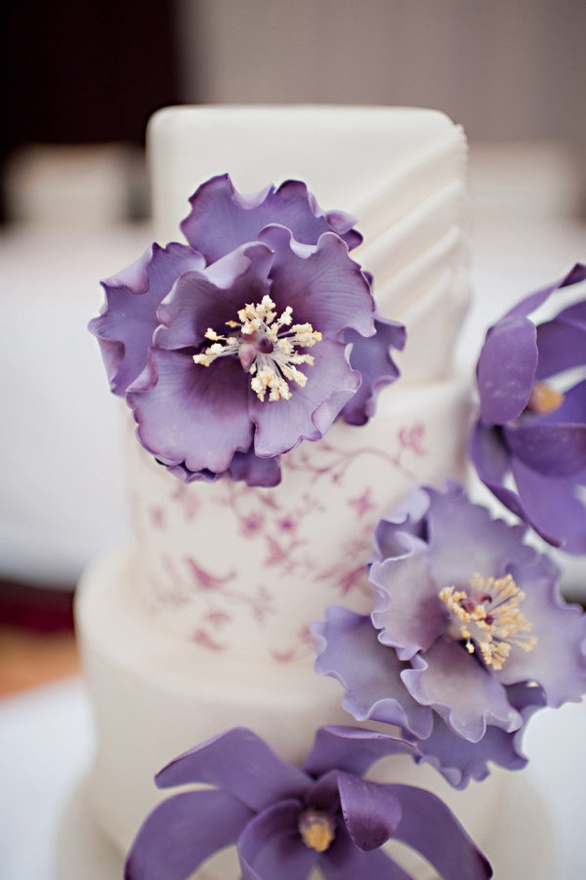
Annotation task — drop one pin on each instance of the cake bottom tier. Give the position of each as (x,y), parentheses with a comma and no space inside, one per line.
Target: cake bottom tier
(155,696)
(85,850)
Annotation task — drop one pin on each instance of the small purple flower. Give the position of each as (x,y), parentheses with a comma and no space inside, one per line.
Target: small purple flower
(468,636)
(529,445)
(256,336)
(285,821)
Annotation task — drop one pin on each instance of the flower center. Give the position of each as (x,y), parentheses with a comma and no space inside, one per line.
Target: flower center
(544,398)
(488,618)
(266,345)
(317,829)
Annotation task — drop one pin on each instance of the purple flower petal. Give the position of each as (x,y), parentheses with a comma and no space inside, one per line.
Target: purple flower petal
(572,408)
(430,827)
(490,544)
(574,314)
(558,660)
(347,648)
(126,326)
(352,750)
(489,456)
(240,763)
(325,795)
(506,370)
(552,506)
(344,861)
(407,519)
(561,345)
(244,466)
(460,760)
(549,505)
(492,464)
(372,358)
(321,284)
(460,690)
(550,450)
(207,396)
(371,812)
(407,609)
(530,303)
(216,205)
(310,411)
(255,471)
(182,832)
(270,846)
(213,297)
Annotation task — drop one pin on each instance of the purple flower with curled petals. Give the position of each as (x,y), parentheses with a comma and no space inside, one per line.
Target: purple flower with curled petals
(255,337)
(467,638)
(285,822)
(529,444)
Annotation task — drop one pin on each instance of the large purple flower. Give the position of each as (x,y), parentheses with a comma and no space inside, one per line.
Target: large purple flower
(285,821)
(529,445)
(468,636)
(256,336)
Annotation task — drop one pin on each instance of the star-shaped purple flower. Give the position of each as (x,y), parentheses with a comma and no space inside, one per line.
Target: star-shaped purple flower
(468,636)
(285,821)
(257,335)
(529,444)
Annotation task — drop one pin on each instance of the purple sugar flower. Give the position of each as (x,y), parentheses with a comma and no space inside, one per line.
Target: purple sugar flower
(529,445)
(285,821)
(468,636)
(256,336)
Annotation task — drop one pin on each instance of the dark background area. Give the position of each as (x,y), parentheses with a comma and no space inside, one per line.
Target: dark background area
(84,71)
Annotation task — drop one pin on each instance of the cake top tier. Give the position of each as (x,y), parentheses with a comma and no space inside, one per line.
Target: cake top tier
(399,170)
(349,157)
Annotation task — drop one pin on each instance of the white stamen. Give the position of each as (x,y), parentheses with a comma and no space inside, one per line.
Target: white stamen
(266,351)
(317,830)
(489,619)
(544,398)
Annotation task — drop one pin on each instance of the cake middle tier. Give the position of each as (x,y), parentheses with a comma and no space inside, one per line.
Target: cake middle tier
(244,571)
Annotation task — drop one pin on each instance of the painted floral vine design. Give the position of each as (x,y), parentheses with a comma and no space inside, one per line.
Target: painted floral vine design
(281,532)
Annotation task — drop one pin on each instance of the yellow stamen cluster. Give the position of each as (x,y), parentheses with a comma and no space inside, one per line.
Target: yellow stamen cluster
(489,618)
(266,350)
(544,398)
(317,830)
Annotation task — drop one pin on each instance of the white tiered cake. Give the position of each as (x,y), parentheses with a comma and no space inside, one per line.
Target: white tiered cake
(200,622)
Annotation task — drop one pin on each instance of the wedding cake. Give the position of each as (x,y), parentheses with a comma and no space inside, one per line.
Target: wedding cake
(201,621)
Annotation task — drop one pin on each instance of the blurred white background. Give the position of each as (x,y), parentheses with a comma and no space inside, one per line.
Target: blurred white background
(512,73)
